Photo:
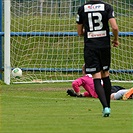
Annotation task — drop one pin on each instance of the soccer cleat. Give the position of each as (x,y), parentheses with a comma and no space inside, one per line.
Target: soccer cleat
(131,97)
(71,93)
(128,94)
(106,112)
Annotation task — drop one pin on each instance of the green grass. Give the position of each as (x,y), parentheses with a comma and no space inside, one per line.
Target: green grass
(45,108)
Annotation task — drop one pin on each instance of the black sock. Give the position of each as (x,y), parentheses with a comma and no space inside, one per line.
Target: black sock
(107,89)
(100,92)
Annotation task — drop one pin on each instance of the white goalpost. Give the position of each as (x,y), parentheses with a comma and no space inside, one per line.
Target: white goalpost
(42,40)
(7,67)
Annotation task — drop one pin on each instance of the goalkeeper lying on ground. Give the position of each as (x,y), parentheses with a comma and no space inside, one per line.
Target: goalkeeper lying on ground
(117,92)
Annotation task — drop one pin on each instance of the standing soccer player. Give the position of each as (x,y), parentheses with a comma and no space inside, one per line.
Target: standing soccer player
(93,20)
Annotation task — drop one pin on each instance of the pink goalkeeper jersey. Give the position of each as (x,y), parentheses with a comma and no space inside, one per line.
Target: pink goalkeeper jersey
(87,83)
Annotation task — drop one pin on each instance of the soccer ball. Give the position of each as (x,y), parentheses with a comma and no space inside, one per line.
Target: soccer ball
(17,72)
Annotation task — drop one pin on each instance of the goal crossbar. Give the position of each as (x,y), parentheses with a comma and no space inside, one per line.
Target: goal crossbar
(57,34)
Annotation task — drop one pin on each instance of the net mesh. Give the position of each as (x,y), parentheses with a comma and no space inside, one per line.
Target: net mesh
(52,58)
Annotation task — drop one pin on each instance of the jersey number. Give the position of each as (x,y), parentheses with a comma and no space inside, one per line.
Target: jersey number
(96,21)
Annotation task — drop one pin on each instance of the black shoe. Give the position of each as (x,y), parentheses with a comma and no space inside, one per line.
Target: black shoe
(71,93)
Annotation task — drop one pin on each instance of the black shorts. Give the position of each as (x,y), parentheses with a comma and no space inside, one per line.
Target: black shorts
(97,59)
(115,89)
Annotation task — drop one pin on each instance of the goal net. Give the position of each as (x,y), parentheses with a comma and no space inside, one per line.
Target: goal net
(45,45)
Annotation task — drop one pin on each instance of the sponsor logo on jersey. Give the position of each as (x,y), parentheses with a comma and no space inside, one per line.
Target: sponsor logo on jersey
(90,69)
(96,34)
(94,7)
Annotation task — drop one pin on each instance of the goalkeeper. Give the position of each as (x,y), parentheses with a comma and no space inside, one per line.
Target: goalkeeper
(86,81)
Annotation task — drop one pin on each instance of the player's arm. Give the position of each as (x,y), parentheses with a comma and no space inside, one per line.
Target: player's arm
(115,31)
(80,29)
(79,21)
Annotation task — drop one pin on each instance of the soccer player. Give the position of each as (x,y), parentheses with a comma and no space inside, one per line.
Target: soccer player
(121,94)
(93,19)
(117,92)
(86,82)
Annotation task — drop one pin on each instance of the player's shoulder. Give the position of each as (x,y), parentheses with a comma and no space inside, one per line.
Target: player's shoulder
(81,8)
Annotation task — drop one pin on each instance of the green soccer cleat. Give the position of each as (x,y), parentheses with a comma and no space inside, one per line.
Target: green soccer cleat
(106,112)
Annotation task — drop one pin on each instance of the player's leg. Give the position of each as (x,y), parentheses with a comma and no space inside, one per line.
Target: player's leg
(118,95)
(100,92)
(107,89)
(93,66)
(101,95)
(105,59)
(90,89)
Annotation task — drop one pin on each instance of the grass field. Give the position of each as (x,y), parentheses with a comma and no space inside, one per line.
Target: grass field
(45,108)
